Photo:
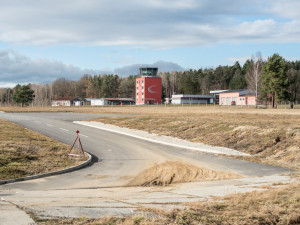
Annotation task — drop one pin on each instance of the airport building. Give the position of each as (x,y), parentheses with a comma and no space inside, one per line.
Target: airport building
(238,97)
(192,99)
(148,87)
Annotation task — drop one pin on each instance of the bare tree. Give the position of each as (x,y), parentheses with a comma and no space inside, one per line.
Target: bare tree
(63,87)
(6,96)
(42,94)
(174,79)
(253,75)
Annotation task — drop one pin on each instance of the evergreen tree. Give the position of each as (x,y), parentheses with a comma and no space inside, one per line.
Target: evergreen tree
(274,79)
(238,81)
(23,94)
(127,87)
(294,87)
(110,86)
(93,89)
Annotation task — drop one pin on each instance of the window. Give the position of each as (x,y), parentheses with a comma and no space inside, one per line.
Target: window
(143,93)
(228,101)
(143,87)
(137,82)
(142,99)
(223,100)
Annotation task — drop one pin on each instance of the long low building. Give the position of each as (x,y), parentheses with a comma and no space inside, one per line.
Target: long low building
(237,97)
(111,101)
(75,101)
(192,99)
(67,101)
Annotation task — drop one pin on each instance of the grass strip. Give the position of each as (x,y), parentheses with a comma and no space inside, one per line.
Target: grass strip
(24,152)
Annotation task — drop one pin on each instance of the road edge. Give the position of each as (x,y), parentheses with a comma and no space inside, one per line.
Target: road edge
(131,133)
(70,169)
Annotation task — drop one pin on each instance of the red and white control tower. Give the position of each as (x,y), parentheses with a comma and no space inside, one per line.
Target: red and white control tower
(148,87)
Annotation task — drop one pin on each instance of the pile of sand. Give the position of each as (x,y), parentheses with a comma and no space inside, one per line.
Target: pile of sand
(177,172)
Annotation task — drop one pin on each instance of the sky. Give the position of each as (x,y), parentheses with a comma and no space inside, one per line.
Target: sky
(43,40)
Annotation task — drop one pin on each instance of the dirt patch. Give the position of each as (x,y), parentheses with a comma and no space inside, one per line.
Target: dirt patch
(177,172)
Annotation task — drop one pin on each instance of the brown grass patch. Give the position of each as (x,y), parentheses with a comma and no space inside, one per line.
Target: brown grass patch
(132,220)
(24,152)
(167,173)
(156,110)
(271,139)
(271,136)
(275,206)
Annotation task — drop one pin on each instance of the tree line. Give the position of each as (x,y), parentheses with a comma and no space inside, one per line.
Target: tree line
(273,80)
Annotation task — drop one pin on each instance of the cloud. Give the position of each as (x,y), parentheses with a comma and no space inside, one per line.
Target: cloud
(286,9)
(161,65)
(17,68)
(148,24)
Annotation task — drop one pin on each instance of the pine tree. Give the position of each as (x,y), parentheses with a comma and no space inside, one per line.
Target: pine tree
(274,79)
(23,94)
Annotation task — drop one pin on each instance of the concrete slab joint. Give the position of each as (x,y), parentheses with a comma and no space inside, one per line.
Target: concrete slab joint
(13,215)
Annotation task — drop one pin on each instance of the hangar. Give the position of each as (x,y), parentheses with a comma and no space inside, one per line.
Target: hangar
(192,99)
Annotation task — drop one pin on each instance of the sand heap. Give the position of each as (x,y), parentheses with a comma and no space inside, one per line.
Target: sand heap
(177,172)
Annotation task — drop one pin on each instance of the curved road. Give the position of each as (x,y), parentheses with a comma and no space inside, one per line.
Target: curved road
(117,159)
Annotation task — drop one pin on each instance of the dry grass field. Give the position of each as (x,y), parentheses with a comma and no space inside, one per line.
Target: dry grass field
(275,206)
(155,110)
(271,136)
(24,152)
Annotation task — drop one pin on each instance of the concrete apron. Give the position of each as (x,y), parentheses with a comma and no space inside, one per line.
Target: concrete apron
(12,215)
(127,201)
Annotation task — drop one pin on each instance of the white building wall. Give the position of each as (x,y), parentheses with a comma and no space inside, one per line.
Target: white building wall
(61,103)
(191,99)
(78,103)
(97,102)
(176,101)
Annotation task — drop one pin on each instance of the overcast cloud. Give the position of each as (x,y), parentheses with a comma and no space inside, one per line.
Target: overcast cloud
(152,23)
(154,26)
(161,65)
(16,68)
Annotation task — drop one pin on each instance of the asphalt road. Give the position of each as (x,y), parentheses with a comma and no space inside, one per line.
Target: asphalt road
(101,188)
(117,158)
